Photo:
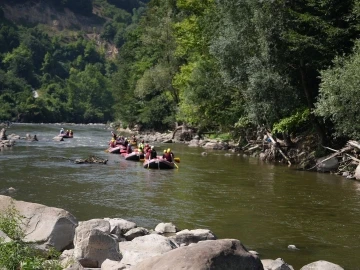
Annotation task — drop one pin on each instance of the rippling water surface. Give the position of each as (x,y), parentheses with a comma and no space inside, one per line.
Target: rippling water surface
(265,206)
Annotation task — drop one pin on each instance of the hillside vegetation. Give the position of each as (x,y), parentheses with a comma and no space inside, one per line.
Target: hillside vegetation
(227,66)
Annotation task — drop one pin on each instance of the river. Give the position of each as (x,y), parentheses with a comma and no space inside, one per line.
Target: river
(267,207)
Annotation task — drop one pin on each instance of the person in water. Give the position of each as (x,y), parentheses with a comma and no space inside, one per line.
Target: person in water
(62,131)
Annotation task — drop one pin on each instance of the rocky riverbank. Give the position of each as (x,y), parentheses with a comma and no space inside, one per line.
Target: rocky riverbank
(299,153)
(115,243)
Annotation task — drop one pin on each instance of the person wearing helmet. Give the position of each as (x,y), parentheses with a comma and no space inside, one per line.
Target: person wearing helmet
(141,146)
(62,131)
(169,156)
(113,135)
(71,133)
(112,143)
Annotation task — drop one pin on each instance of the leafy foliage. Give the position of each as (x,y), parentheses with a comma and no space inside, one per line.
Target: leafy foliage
(339,100)
(215,65)
(293,122)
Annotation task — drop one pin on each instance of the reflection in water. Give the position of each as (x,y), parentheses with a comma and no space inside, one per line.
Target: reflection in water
(266,206)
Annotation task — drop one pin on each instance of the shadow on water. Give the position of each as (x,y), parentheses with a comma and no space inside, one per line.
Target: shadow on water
(267,207)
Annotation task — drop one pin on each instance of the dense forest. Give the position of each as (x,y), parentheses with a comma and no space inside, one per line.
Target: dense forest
(229,65)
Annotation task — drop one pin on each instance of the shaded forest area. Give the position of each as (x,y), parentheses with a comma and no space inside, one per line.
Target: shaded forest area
(228,66)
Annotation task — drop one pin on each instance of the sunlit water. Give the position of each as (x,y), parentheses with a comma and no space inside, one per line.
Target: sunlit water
(267,207)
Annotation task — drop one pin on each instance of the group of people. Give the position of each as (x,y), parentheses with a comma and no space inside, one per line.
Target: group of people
(150,152)
(118,140)
(145,149)
(69,133)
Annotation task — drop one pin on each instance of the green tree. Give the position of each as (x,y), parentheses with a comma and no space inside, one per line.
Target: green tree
(89,97)
(19,62)
(338,99)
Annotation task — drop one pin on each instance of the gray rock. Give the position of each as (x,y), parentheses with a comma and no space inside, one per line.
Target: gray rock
(86,226)
(224,254)
(93,247)
(120,226)
(166,228)
(186,237)
(144,247)
(321,265)
(277,264)
(357,173)
(328,165)
(113,265)
(135,232)
(46,226)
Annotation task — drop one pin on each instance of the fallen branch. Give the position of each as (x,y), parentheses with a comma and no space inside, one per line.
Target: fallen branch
(331,156)
(354,144)
(353,158)
(281,152)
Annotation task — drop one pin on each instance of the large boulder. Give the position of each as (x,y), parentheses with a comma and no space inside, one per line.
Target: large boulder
(46,226)
(119,226)
(357,173)
(329,165)
(224,254)
(144,247)
(321,265)
(93,243)
(186,237)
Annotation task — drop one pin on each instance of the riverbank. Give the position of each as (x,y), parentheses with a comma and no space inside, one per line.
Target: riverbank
(300,152)
(116,243)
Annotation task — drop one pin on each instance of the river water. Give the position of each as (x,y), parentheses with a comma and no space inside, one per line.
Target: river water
(267,207)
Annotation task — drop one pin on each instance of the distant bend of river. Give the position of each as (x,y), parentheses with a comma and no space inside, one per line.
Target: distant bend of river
(267,207)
